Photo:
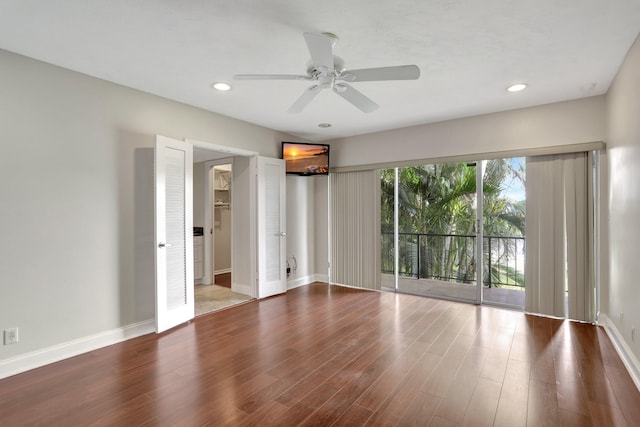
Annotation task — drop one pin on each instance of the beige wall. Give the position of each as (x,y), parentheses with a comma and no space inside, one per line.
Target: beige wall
(307,227)
(76,216)
(300,226)
(548,125)
(622,293)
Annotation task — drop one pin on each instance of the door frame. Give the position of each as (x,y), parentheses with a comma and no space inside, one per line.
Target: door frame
(209,246)
(480,168)
(231,155)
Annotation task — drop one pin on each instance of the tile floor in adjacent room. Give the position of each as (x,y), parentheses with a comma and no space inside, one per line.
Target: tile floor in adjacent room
(213,297)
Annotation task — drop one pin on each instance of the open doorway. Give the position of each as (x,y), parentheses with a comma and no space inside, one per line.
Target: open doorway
(214,232)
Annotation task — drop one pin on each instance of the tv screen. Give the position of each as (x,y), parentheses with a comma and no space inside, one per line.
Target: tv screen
(306,159)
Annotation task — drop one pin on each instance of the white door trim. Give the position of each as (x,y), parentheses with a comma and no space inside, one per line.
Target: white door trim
(209,252)
(480,167)
(232,151)
(250,287)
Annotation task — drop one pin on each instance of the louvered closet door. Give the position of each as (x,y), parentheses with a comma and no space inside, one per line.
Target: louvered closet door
(272,278)
(174,232)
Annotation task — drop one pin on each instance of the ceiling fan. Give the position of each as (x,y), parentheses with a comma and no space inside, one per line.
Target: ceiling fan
(327,71)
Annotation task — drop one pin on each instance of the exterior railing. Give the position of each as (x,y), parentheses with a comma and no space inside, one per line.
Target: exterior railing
(452,257)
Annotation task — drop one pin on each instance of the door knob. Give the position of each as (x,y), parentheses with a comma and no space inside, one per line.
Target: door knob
(282,233)
(164,245)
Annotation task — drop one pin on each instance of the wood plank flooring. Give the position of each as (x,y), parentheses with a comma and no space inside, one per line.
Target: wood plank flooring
(223,279)
(326,355)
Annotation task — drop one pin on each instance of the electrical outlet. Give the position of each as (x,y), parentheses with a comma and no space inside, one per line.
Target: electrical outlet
(621,317)
(11,336)
(633,334)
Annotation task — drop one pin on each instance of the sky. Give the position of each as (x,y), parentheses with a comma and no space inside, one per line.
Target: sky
(514,189)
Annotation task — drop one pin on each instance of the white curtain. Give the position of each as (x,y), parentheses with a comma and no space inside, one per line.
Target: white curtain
(355,228)
(559,236)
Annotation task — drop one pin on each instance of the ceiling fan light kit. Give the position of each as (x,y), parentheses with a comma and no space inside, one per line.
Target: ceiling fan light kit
(327,72)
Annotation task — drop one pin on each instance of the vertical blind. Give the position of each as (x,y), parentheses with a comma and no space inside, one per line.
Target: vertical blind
(355,229)
(559,277)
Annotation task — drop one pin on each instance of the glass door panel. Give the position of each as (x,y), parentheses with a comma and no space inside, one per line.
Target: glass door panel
(504,231)
(388,215)
(436,241)
(429,237)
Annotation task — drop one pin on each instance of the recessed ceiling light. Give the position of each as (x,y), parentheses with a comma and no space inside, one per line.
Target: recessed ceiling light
(324,125)
(517,87)
(221,86)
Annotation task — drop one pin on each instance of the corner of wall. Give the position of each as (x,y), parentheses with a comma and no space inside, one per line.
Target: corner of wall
(628,357)
(621,205)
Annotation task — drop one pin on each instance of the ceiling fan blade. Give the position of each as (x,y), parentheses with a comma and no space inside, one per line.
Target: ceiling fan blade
(321,49)
(356,98)
(270,77)
(304,100)
(399,72)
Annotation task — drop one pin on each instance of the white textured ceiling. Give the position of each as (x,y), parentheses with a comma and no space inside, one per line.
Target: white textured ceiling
(468,51)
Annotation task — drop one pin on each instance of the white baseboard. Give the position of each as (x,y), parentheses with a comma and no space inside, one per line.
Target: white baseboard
(45,356)
(224,270)
(321,278)
(243,289)
(293,283)
(628,358)
(354,287)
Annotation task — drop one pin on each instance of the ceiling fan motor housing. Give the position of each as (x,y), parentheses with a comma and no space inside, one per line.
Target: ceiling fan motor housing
(338,67)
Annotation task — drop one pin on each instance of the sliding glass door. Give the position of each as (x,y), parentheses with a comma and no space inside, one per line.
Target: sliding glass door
(503,232)
(428,227)
(432,218)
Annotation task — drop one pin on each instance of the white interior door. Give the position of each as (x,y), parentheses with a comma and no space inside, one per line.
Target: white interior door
(272,278)
(174,232)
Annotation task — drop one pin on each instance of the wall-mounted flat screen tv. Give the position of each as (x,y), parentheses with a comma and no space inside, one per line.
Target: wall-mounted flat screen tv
(306,159)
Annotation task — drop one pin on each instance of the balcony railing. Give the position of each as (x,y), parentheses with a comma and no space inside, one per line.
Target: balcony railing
(452,257)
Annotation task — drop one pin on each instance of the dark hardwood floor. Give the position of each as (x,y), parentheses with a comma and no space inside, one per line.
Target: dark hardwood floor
(325,355)
(223,279)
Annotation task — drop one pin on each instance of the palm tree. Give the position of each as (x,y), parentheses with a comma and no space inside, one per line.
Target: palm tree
(503,217)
